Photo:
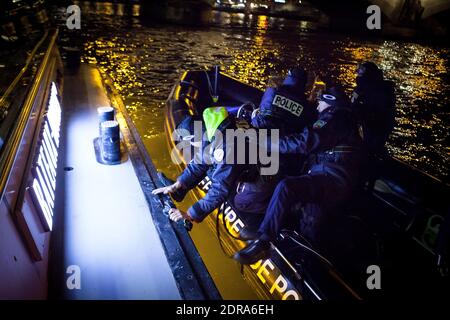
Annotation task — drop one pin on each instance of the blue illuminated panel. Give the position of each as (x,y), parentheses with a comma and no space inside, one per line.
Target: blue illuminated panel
(44,168)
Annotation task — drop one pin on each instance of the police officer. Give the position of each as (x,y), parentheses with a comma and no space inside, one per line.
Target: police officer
(374,102)
(333,146)
(211,160)
(285,107)
(190,135)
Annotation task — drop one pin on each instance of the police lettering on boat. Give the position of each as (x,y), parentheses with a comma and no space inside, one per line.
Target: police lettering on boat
(267,272)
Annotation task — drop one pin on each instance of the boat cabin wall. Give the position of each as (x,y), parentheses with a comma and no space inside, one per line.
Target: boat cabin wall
(24,235)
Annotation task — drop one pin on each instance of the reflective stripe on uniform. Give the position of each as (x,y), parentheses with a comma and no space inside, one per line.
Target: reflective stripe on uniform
(342,149)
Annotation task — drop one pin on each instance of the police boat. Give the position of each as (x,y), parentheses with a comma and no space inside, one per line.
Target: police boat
(390,228)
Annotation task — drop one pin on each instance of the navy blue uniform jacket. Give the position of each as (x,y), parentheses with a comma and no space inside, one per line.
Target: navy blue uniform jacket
(223,178)
(332,144)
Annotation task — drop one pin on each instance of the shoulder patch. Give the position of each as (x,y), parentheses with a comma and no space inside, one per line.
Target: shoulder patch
(319,124)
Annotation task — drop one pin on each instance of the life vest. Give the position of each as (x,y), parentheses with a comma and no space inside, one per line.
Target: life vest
(212,118)
(218,118)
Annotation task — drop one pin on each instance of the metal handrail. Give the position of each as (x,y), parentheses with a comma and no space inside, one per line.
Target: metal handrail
(22,71)
(13,144)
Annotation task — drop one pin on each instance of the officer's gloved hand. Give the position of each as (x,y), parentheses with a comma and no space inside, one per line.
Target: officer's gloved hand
(245,112)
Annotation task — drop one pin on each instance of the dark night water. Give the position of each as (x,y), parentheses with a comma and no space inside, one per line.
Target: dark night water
(145,61)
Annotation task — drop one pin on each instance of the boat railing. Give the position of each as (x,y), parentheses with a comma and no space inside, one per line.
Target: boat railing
(15,133)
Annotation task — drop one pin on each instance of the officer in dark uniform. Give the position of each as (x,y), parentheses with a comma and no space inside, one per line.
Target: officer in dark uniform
(374,103)
(285,107)
(333,146)
(211,160)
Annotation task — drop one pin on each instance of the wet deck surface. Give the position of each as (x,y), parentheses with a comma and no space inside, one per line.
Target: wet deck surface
(108,229)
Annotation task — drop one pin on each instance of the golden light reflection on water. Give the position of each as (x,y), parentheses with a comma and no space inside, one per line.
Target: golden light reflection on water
(109,8)
(253,65)
(421,75)
(145,62)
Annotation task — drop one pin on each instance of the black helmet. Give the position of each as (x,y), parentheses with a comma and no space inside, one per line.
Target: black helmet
(297,76)
(369,70)
(186,128)
(336,97)
(298,73)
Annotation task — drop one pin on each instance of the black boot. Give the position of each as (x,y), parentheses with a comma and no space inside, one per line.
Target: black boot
(246,234)
(179,194)
(257,250)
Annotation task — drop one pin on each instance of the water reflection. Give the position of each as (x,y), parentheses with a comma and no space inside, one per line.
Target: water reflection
(145,62)
(254,65)
(109,8)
